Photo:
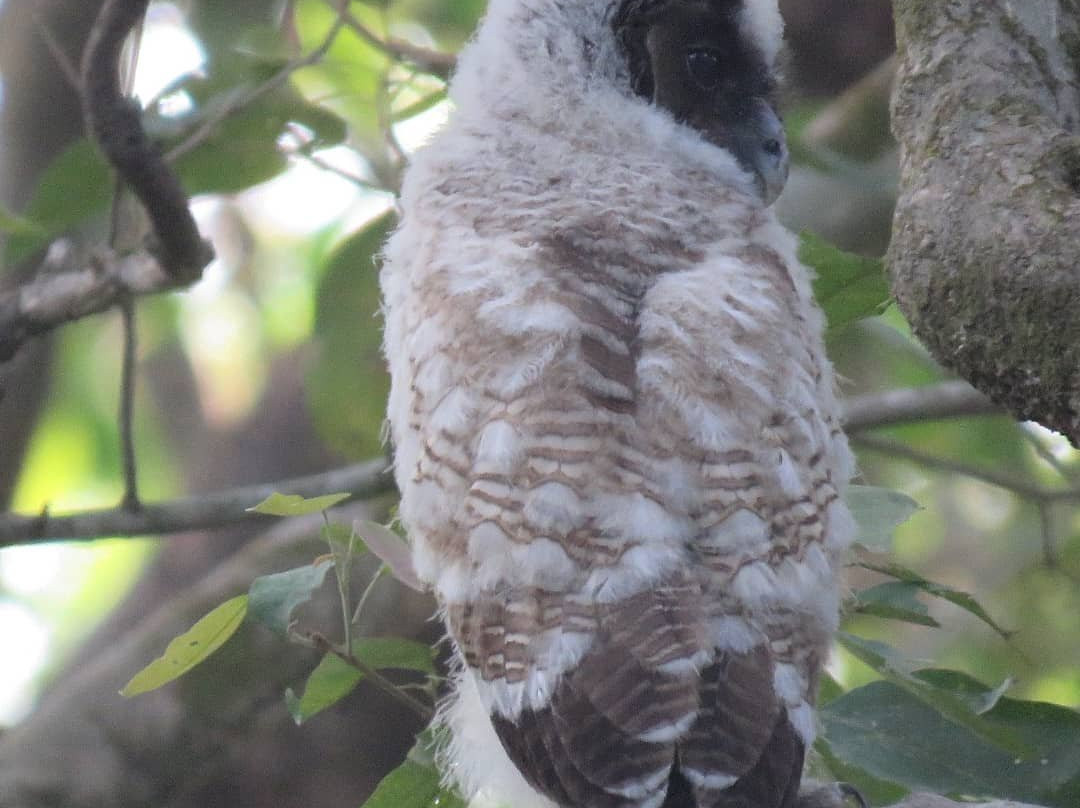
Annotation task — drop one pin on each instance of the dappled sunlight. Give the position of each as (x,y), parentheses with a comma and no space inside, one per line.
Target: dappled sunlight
(26,650)
(168,51)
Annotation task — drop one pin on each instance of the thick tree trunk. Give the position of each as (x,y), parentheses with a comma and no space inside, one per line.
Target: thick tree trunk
(985,255)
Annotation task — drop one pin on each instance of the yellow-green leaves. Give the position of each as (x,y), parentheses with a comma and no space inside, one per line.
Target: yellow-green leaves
(190,648)
(295,505)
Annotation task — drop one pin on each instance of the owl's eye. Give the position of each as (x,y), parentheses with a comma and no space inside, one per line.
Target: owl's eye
(705,67)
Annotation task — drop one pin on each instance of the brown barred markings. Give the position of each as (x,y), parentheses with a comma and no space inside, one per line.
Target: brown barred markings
(590,745)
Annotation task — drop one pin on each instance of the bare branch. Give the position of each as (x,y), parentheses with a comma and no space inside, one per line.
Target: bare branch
(116,123)
(69,70)
(945,400)
(371,478)
(127,408)
(53,298)
(57,297)
(219,509)
(1019,485)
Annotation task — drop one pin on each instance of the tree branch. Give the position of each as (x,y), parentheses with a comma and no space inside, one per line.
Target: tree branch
(58,295)
(984,250)
(116,123)
(1019,485)
(945,400)
(369,479)
(53,298)
(363,480)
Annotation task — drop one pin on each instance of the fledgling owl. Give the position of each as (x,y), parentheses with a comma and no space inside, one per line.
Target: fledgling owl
(615,425)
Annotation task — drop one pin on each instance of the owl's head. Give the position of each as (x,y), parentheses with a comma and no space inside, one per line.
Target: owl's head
(710,63)
(706,66)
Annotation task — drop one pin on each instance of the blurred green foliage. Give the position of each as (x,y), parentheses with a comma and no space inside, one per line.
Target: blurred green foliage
(306,294)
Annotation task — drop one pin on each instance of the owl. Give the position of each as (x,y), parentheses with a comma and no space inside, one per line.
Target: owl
(615,427)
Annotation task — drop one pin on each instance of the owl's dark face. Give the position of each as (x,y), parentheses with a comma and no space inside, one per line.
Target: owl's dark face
(690,57)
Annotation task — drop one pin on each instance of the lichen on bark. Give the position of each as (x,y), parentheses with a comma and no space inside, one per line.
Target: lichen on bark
(985,254)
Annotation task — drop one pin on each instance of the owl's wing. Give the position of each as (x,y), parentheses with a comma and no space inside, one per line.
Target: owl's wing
(620,730)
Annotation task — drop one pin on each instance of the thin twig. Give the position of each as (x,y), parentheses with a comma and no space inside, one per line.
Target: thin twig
(1009,482)
(215,510)
(130,501)
(433,62)
(63,61)
(322,644)
(382,569)
(324,165)
(240,101)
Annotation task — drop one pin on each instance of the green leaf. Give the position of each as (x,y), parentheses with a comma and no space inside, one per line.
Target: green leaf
(878,512)
(334,678)
(19,226)
(882,659)
(953,596)
(413,785)
(394,652)
(848,287)
(273,598)
(76,186)
(296,505)
(348,364)
(425,103)
(876,790)
(190,648)
(895,600)
(885,730)
(331,681)
(242,149)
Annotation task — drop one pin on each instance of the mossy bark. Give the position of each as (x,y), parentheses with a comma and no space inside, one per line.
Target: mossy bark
(985,254)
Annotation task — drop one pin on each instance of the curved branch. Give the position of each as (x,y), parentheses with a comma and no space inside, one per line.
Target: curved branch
(985,241)
(116,123)
(363,480)
(945,400)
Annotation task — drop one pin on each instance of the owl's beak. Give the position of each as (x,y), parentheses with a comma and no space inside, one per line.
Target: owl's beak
(759,144)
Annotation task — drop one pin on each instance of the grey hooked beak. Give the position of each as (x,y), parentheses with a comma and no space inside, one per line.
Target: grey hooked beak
(760,146)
